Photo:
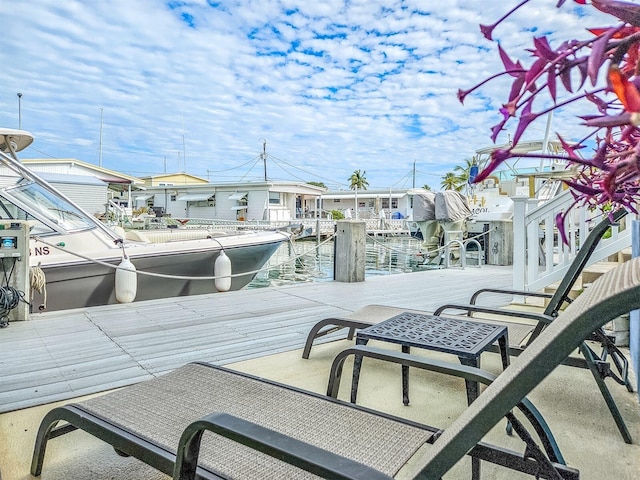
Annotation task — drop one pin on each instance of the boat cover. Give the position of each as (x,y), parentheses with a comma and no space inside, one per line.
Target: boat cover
(451,206)
(424,207)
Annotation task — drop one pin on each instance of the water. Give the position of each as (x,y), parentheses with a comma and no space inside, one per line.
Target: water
(306,261)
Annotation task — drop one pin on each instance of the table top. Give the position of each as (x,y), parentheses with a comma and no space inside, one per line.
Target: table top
(444,334)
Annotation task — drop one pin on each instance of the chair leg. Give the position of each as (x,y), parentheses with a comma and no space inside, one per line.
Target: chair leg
(316,333)
(604,390)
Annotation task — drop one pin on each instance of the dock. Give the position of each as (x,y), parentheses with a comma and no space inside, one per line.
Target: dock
(60,355)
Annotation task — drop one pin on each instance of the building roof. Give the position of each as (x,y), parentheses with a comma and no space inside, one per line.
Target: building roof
(186,178)
(104,174)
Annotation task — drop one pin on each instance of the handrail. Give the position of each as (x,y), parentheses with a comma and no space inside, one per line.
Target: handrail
(540,256)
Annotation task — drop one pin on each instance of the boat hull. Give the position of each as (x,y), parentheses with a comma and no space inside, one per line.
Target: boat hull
(85,283)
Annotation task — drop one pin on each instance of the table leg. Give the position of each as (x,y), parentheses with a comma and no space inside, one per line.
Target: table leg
(473,389)
(357,364)
(503,345)
(405,378)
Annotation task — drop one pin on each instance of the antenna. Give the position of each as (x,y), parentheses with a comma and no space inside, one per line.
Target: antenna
(264,158)
(19,111)
(100,144)
(184,153)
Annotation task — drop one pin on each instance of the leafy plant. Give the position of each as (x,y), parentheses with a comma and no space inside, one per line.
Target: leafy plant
(337,215)
(569,73)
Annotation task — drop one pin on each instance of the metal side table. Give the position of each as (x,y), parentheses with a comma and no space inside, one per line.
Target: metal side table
(463,338)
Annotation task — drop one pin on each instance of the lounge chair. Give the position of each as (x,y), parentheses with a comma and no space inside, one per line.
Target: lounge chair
(521,333)
(266,430)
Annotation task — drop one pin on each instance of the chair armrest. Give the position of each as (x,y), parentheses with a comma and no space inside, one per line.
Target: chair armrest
(540,317)
(448,368)
(475,296)
(290,450)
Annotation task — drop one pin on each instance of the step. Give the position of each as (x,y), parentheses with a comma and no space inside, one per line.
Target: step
(573,293)
(591,273)
(624,255)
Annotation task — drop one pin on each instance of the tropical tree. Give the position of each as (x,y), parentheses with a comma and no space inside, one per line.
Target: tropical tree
(317,184)
(358,180)
(463,170)
(451,181)
(426,187)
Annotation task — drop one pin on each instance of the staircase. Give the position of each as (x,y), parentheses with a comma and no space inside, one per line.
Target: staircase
(540,258)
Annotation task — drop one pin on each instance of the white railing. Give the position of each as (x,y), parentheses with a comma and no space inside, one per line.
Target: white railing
(120,214)
(540,258)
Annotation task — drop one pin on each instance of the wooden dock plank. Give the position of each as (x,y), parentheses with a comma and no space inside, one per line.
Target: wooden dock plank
(60,355)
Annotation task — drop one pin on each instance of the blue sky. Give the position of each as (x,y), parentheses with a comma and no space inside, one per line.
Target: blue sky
(331,87)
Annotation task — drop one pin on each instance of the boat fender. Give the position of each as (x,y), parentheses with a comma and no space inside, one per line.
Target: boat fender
(126,282)
(222,269)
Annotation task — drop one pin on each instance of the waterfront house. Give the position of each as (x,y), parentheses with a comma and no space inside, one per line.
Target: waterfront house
(90,186)
(185,196)
(396,203)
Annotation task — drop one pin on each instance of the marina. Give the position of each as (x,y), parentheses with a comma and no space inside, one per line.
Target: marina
(305,261)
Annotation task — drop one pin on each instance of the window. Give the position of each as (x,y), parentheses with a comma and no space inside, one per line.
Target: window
(173,198)
(275,198)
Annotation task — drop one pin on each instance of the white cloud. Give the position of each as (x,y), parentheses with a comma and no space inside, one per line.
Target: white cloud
(331,86)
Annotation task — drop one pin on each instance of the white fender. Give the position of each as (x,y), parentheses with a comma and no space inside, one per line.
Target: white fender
(126,282)
(222,269)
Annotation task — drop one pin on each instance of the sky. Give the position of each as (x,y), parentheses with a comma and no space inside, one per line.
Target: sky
(325,88)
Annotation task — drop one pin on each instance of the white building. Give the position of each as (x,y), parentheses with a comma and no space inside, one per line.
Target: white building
(273,201)
(395,203)
(88,185)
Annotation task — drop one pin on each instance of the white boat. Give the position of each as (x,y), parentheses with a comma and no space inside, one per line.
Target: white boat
(77,253)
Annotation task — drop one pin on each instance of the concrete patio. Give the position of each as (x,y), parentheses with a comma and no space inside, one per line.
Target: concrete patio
(568,398)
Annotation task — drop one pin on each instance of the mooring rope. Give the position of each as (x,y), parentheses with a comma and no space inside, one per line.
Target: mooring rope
(38,282)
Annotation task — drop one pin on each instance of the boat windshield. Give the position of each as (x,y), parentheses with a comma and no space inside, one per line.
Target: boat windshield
(31,201)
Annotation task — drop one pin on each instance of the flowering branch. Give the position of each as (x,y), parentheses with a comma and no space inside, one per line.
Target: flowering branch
(611,176)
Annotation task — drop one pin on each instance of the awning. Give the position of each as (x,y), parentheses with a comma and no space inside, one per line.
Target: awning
(142,197)
(238,195)
(240,207)
(195,197)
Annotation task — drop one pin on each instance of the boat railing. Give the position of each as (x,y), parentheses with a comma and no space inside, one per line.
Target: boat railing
(540,257)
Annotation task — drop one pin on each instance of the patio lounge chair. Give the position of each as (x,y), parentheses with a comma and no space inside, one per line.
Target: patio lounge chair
(266,430)
(520,333)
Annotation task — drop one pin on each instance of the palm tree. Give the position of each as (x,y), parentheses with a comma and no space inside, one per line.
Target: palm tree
(451,181)
(358,180)
(464,169)
(426,187)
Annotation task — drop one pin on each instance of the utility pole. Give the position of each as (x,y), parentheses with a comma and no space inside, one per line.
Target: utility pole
(264,158)
(414,174)
(19,111)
